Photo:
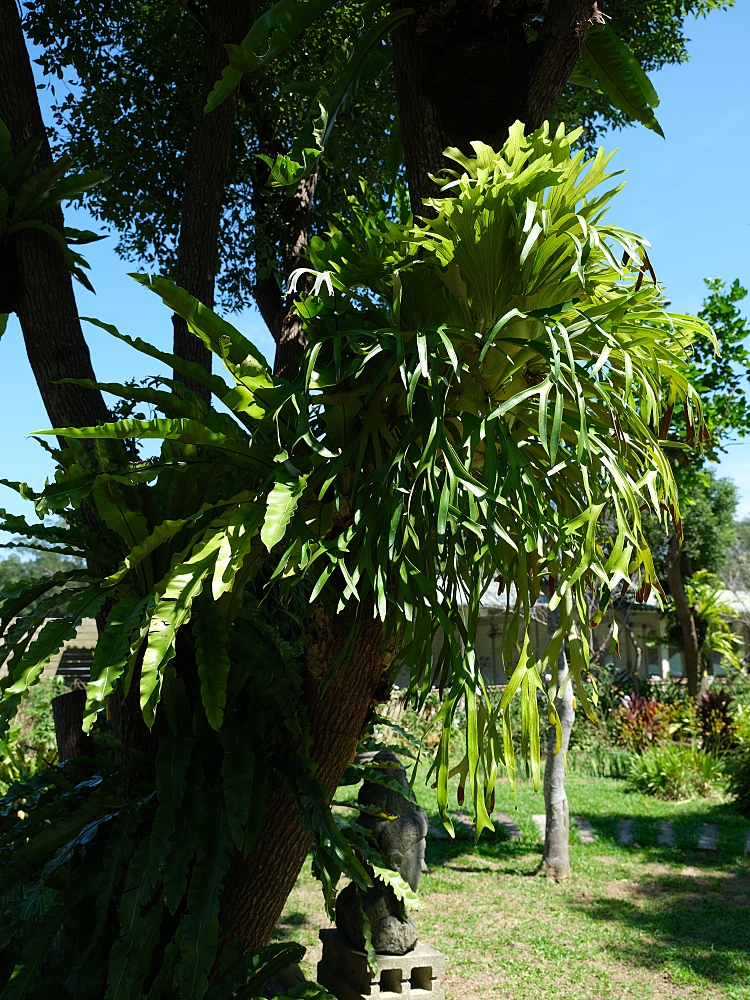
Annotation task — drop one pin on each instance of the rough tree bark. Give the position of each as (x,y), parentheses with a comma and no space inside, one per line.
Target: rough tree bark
(206,171)
(465,70)
(556,857)
(275,306)
(685,616)
(43,294)
(257,887)
(67,712)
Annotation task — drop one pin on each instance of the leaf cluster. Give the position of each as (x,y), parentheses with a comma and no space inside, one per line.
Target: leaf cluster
(131,106)
(88,890)
(26,194)
(477,390)
(655,35)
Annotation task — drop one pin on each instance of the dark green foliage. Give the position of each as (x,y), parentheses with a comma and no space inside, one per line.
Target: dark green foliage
(133,103)
(739,778)
(655,32)
(26,196)
(137,70)
(78,840)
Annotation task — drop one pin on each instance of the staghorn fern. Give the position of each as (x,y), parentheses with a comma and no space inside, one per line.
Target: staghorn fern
(477,391)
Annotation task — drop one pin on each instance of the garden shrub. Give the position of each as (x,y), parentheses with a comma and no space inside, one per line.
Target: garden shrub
(738,785)
(599,762)
(716,726)
(640,722)
(674,771)
(30,745)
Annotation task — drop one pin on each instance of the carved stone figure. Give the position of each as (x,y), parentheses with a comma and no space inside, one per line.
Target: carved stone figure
(402,843)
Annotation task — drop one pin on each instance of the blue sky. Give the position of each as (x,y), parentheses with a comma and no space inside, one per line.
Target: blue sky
(687,194)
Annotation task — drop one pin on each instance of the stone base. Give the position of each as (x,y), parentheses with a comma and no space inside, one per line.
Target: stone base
(344,972)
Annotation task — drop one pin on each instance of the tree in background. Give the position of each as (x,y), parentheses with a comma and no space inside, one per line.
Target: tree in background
(709,503)
(132,109)
(13,568)
(736,569)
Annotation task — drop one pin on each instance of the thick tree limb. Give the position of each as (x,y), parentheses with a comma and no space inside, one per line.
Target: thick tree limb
(206,171)
(275,306)
(256,887)
(465,70)
(44,299)
(685,616)
(556,52)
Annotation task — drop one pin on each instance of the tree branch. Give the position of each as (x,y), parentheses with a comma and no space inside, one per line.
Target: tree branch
(43,298)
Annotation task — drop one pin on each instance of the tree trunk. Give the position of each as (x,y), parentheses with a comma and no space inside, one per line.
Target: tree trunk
(466,71)
(44,299)
(256,887)
(275,305)
(556,857)
(206,170)
(685,616)
(67,712)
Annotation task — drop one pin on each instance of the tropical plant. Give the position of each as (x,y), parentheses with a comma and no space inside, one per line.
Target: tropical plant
(673,771)
(738,785)
(712,617)
(476,390)
(716,725)
(640,722)
(26,193)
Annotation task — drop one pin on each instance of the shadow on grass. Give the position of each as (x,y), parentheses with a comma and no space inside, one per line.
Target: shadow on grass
(491,847)
(288,924)
(686,829)
(694,922)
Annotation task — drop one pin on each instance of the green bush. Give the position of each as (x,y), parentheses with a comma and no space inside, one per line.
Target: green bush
(673,771)
(30,745)
(599,762)
(35,716)
(738,767)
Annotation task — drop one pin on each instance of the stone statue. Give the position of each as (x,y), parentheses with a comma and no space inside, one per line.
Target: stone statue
(402,843)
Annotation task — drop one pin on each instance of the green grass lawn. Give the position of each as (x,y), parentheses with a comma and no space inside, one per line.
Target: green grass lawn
(640,921)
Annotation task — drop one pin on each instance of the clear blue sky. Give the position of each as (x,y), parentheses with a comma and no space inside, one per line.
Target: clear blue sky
(687,194)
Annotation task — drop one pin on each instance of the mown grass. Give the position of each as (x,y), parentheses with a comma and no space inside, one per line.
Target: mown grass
(640,921)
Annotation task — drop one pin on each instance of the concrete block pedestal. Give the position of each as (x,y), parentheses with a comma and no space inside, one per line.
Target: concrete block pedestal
(344,972)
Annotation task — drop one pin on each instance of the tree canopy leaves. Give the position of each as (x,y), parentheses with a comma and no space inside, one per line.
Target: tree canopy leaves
(132,103)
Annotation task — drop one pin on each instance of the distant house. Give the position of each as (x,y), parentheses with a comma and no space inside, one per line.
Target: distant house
(634,655)
(73,661)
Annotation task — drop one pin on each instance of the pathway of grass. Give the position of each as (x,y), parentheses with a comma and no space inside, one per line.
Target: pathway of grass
(640,921)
